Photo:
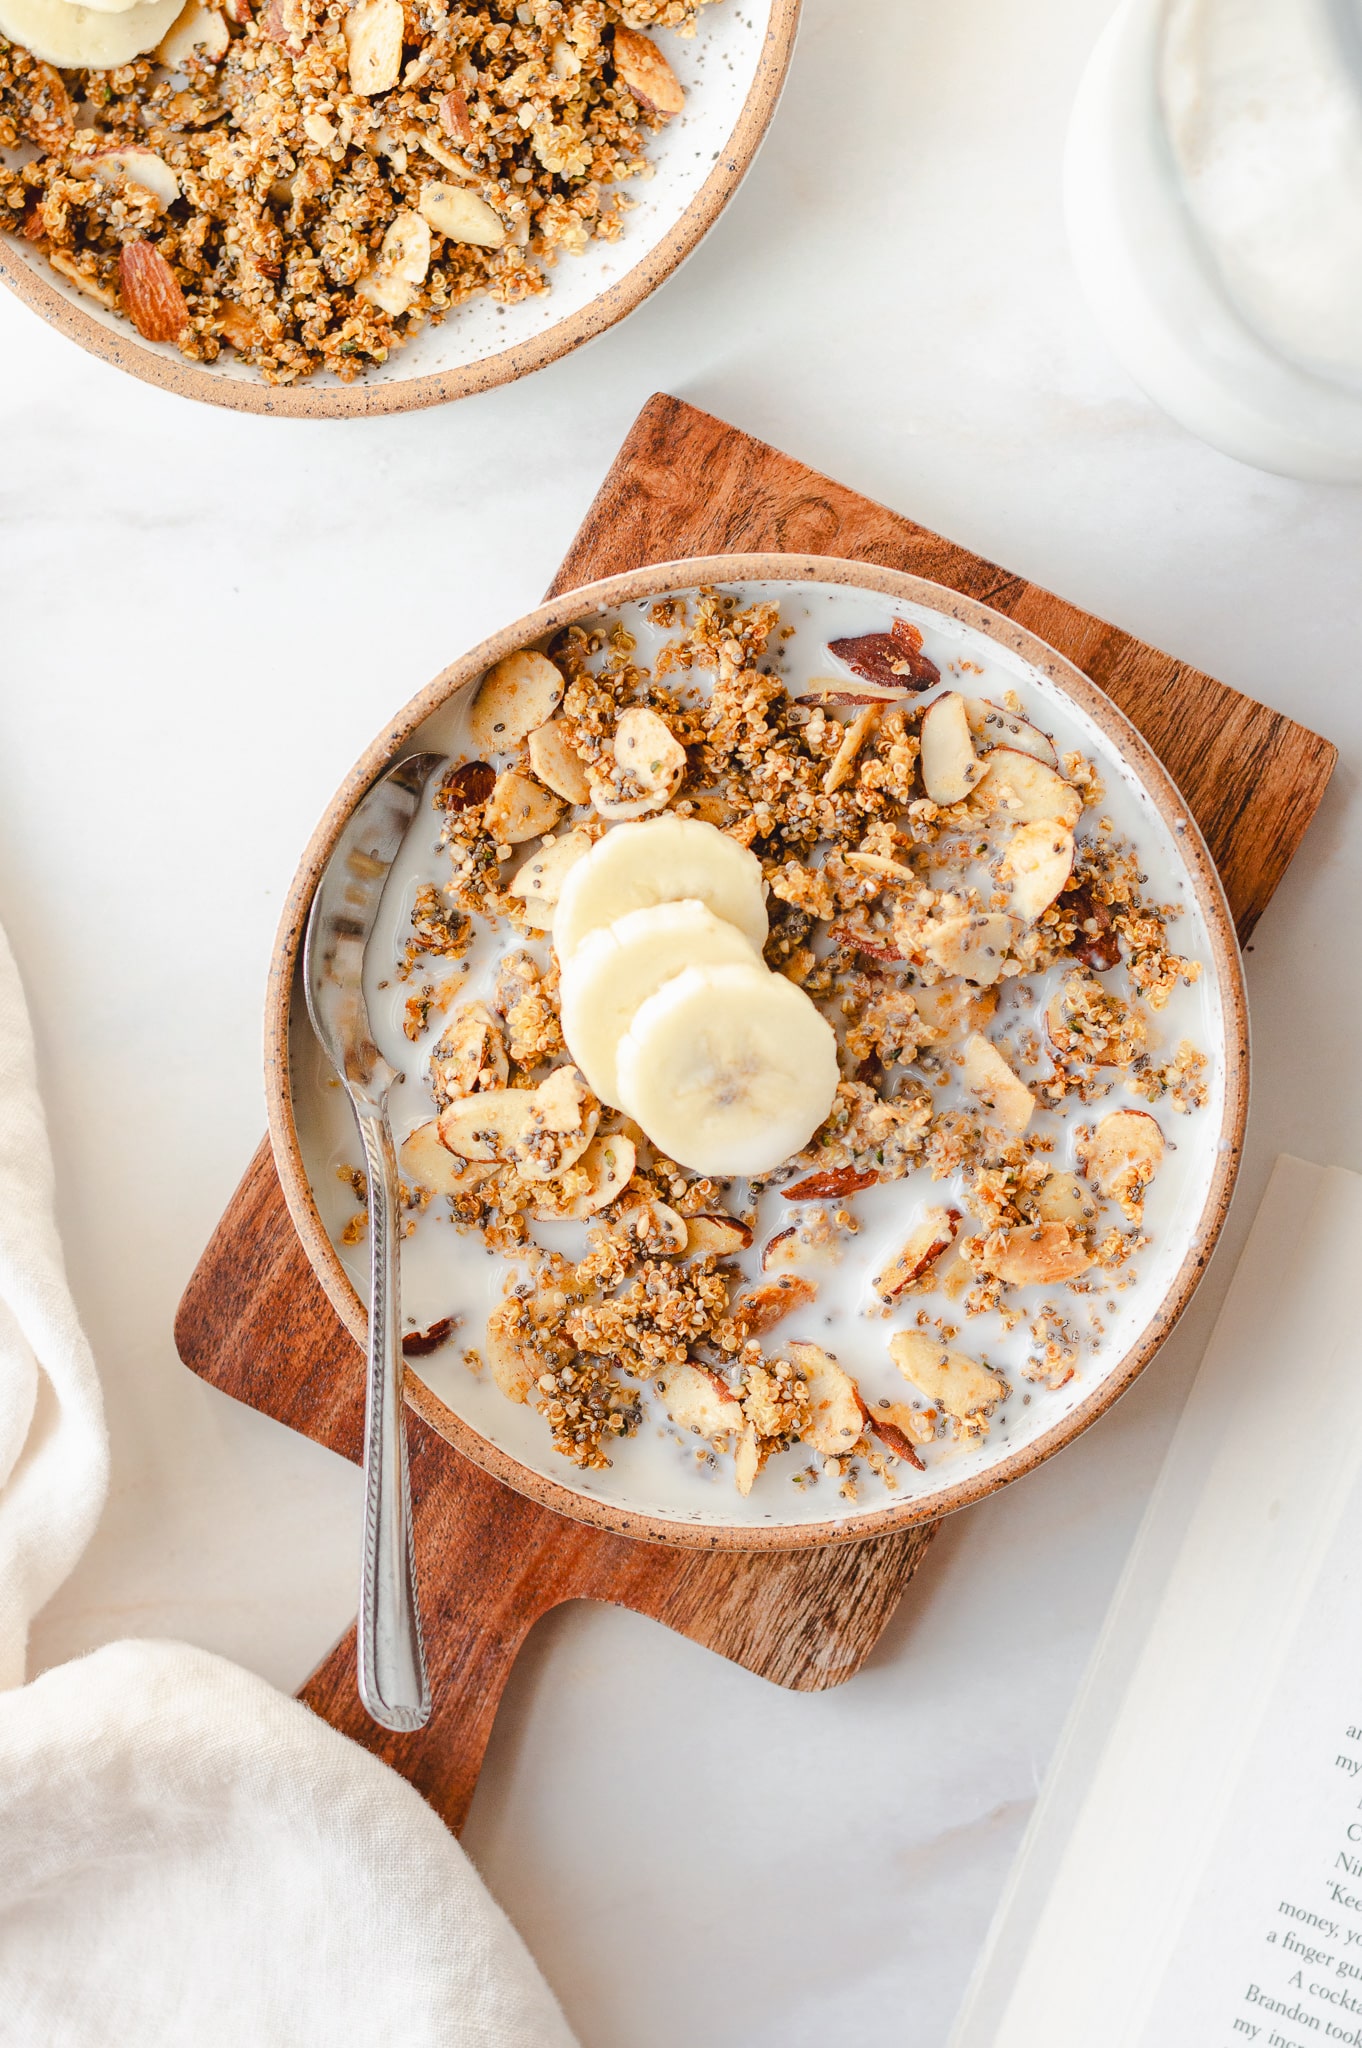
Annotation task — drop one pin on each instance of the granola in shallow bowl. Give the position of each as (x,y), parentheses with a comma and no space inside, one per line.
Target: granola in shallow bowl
(823,1053)
(347,206)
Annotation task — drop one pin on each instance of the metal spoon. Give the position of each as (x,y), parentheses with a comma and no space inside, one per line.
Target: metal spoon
(392,1662)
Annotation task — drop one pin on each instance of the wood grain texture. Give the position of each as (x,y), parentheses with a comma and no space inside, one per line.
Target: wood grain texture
(255,1322)
(687,484)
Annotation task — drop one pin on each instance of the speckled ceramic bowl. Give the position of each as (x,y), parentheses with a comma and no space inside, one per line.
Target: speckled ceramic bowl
(662,1492)
(733,70)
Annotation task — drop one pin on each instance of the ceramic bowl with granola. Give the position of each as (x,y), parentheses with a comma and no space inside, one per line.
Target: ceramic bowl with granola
(349,206)
(822,1048)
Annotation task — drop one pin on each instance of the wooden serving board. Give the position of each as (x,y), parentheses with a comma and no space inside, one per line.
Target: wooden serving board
(255,1322)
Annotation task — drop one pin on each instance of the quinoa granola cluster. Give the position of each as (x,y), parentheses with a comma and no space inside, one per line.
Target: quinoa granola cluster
(311,181)
(898,913)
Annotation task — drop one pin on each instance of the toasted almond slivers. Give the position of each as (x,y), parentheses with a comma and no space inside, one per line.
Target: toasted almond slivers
(539,880)
(1122,1157)
(949,768)
(373,39)
(1042,1255)
(460,216)
(646,751)
(976,945)
(92,288)
(557,763)
(761,1308)
(426,1163)
(1026,790)
(514,1363)
(720,1235)
(844,760)
(698,1400)
(150,173)
(196,32)
(949,1378)
(986,1074)
(1036,865)
(518,693)
(520,808)
(609,1161)
(933,1233)
(403,261)
(836,1411)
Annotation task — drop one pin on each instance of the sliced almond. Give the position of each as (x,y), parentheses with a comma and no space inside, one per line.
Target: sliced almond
(557,763)
(197,32)
(880,864)
(150,173)
(403,258)
(520,808)
(470,1056)
(1036,865)
(518,693)
(843,763)
(949,767)
(719,1236)
(67,267)
(747,1460)
(540,1131)
(641,66)
(901,1429)
(656,1225)
(837,1413)
(373,39)
(539,880)
(994,727)
(151,297)
(763,1307)
(986,1074)
(489,1125)
(948,1007)
(832,1186)
(1026,790)
(460,216)
(515,1365)
(1122,1157)
(425,1163)
(1043,1255)
(932,1234)
(781,1250)
(837,690)
(949,1378)
(1064,1199)
(319,130)
(609,1162)
(975,944)
(646,751)
(700,1401)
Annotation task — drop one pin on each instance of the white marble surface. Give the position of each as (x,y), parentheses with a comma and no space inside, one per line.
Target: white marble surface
(203,618)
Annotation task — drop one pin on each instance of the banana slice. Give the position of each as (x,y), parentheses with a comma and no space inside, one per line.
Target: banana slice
(618,966)
(660,860)
(728,1069)
(86,38)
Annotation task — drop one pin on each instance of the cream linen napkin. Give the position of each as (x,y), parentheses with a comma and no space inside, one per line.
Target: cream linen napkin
(186,1856)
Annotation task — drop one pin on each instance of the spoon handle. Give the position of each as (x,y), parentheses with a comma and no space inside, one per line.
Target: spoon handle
(392,1662)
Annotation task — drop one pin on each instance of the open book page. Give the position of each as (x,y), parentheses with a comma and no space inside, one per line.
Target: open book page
(1191,1857)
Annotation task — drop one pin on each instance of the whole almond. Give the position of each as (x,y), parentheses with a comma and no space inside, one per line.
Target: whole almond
(152,299)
